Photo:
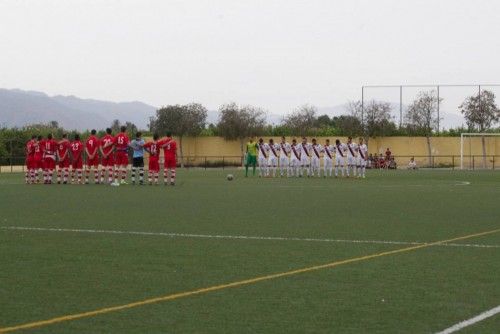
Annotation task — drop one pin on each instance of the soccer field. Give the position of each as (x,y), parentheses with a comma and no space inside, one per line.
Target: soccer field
(398,252)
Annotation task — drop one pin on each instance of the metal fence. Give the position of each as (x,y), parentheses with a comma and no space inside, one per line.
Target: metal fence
(10,164)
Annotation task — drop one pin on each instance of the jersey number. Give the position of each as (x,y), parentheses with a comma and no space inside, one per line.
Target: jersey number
(120,140)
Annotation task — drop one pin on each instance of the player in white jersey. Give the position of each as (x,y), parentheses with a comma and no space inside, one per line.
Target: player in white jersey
(352,157)
(272,162)
(315,158)
(284,157)
(362,158)
(295,155)
(263,155)
(305,158)
(328,153)
(340,153)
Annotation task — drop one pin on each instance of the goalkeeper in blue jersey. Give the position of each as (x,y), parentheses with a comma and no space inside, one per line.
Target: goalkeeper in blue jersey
(137,146)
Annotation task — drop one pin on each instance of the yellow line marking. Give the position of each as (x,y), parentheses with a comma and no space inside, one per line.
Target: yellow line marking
(229,285)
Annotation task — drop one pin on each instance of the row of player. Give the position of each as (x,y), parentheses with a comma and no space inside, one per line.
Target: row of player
(304,159)
(109,152)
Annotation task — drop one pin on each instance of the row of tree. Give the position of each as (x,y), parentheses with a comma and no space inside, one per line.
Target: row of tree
(374,119)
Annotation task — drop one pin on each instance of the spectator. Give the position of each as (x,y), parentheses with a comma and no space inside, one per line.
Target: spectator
(388,154)
(412,164)
(392,163)
(381,161)
(370,161)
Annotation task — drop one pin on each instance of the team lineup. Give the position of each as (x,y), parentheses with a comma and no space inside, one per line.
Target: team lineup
(110,152)
(304,159)
(108,158)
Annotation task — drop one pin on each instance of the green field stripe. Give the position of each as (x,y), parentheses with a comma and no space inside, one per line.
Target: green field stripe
(231,285)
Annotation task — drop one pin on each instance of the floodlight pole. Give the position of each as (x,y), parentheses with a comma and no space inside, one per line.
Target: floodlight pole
(479,86)
(438,108)
(362,108)
(400,106)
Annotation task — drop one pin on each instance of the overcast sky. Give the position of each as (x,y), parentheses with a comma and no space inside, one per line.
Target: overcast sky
(272,54)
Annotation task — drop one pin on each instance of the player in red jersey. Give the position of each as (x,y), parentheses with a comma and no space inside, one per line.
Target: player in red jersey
(153,149)
(49,158)
(77,159)
(121,142)
(91,150)
(38,157)
(30,156)
(170,155)
(63,158)
(108,158)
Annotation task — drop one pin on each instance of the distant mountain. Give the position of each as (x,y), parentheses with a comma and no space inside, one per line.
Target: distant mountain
(19,108)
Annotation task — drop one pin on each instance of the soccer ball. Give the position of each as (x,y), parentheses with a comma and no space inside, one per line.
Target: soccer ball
(230,177)
(115,184)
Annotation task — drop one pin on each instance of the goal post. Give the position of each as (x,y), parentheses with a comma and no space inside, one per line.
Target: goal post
(477,150)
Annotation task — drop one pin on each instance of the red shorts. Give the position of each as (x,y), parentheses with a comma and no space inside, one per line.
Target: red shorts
(108,161)
(64,163)
(154,164)
(170,162)
(30,163)
(77,164)
(93,162)
(37,163)
(49,163)
(121,158)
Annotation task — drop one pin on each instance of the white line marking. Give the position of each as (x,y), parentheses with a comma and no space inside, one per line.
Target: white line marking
(471,321)
(243,237)
(462,183)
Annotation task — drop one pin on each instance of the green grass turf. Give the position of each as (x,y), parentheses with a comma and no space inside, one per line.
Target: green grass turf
(46,274)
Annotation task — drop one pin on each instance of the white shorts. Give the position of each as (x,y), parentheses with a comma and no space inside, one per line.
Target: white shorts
(352,160)
(294,162)
(304,162)
(327,163)
(315,162)
(262,162)
(273,161)
(361,162)
(339,161)
(284,161)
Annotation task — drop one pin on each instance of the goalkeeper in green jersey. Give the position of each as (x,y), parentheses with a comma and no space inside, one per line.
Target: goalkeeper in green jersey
(251,156)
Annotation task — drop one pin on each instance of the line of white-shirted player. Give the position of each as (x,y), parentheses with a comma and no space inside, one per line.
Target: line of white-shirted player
(304,159)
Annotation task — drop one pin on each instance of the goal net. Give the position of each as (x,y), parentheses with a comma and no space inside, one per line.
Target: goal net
(480,151)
